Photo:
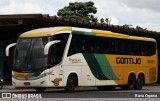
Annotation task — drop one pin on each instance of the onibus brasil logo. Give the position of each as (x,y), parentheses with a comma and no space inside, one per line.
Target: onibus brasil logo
(15,95)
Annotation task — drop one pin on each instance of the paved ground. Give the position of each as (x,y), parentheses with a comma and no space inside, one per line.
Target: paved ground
(151,92)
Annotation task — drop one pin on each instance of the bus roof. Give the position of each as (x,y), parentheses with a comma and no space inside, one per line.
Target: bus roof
(42,32)
(118,35)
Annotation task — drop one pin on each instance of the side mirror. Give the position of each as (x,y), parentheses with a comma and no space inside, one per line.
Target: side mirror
(48,45)
(8,47)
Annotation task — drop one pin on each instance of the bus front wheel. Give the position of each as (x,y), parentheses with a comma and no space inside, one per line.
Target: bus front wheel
(40,89)
(71,84)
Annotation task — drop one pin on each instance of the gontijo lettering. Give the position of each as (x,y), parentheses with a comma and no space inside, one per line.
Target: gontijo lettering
(124,60)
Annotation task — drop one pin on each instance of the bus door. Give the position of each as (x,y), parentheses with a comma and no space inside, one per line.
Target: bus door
(55,59)
(61,74)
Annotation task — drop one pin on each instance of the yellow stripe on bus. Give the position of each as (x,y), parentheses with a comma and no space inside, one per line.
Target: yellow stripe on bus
(42,32)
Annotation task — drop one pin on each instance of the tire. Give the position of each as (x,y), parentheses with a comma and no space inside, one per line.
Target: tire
(71,84)
(40,89)
(131,83)
(1,84)
(139,82)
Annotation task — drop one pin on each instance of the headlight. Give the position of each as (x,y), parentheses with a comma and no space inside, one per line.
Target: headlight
(45,74)
(32,78)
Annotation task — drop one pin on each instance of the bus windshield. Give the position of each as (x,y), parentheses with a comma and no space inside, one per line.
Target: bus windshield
(29,54)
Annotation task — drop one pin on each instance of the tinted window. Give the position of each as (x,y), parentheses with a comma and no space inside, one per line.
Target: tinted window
(56,51)
(106,45)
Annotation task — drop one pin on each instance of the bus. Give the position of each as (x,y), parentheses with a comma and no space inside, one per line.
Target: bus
(68,57)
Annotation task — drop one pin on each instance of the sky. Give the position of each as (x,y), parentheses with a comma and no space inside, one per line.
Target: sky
(144,13)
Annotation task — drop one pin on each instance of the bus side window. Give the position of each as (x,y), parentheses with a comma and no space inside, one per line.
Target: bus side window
(98,45)
(143,48)
(112,44)
(129,47)
(146,48)
(118,46)
(88,44)
(78,42)
(74,45)
(151,48)
(137,48)
(123,47)
(55,54)
(105,46)
(83,45)
(92,44)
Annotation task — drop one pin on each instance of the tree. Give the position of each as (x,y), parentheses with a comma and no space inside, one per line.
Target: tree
(108,21)
(80,11)
(126,25)
(140,28)
(93,19)
(102,20)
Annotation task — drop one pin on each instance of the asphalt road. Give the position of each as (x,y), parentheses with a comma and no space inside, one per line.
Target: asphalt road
(84,92)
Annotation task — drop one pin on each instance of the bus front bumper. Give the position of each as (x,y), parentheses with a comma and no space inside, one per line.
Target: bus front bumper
(40,82)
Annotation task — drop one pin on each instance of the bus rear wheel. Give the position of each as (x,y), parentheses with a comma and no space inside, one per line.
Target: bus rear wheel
(131,83)
(40,89)
(139,82)
(71,84)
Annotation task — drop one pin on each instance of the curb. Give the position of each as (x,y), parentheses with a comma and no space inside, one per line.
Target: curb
(8,87)
(152,84)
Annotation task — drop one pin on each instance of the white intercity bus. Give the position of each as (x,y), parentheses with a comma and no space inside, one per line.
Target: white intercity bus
(68,57)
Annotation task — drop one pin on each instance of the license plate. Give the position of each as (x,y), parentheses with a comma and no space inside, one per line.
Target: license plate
(27,83)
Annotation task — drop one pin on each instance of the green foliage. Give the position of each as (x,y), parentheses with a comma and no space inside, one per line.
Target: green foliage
(102,20)
(108,21)
(126,25)
(80,11)
(137,27)
(85,11)
(140,28)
